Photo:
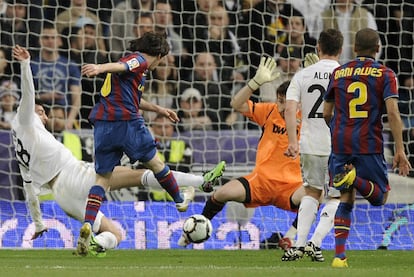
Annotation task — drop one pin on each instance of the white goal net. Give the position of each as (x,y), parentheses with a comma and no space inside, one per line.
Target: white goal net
(215,46)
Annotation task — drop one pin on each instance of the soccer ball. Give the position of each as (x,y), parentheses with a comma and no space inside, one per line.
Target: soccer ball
(197,228)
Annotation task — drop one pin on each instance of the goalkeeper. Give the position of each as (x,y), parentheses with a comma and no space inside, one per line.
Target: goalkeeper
(276,180)
(45,163)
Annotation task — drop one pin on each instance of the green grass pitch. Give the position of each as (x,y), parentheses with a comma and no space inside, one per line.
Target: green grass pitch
(199,263)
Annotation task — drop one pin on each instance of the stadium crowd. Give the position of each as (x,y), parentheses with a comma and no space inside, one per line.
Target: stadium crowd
(230,33)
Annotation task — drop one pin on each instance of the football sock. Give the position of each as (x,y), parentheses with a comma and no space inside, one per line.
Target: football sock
(326,221)
(168,182)
(369,191)
(308,209)
(291,233)
(93,204)
(107,240)
(212,207)
(342,226)
(148,179)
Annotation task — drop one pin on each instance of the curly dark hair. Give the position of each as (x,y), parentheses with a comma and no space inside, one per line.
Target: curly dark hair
(151,43)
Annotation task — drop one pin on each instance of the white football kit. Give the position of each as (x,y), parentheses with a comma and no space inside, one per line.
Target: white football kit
(43,159)
(308,87)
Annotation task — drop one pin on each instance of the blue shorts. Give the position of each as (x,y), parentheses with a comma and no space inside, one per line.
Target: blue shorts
(114,138)
(371,167)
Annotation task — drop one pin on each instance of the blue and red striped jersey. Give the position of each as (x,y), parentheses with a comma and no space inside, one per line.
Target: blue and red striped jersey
(121,92)
(359,89)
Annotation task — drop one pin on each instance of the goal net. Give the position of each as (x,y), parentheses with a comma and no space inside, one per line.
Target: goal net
(232,53)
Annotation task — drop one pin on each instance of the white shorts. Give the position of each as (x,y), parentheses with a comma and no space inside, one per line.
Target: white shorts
(315,173)
(71,190)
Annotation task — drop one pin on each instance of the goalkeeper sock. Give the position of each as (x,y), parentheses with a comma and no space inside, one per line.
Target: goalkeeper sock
(306,216)
(212,207)
(326,221)
(369,191)
(93,204)
(168,182)
(342,225)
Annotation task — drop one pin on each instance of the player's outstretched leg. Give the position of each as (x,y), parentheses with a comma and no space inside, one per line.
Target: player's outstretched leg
(84,239)
(188,196)
(211,177)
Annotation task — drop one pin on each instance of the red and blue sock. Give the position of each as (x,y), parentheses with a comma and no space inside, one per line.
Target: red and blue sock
(168,182)
(369,191)
(342,225)
(95,198)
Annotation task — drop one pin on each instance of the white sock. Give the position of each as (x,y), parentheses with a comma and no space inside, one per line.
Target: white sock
(308,209)
(183,179)
(291,233)
(107,240)
(326,221)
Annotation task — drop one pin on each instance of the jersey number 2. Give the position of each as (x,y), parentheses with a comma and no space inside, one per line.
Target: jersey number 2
(358,101)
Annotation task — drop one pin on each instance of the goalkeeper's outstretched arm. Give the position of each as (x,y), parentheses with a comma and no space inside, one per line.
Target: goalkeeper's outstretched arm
(265,73)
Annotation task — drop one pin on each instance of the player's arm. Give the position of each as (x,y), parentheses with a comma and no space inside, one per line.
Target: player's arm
(291,127)
(33,203)
(265,73)
(328,109)
(151,107)
(75,92)
(394,120)
(26,108)
(91,70)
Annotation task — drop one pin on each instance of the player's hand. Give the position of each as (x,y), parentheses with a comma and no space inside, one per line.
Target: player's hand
(292,151)
(20,53)
(311,58)
(39,234)
(265,73)
(401,162)
(90,70)
(170,114)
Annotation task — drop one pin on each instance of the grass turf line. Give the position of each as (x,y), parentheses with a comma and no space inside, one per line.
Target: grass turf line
(199,263)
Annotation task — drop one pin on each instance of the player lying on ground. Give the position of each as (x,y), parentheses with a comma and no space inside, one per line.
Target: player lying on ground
(45,162)
(276,180)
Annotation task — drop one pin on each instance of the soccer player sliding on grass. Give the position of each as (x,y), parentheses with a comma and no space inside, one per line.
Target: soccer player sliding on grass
(276,179)
(46,163)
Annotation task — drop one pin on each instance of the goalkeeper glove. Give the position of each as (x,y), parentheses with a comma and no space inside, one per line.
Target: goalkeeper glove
(265,73)
(311,58)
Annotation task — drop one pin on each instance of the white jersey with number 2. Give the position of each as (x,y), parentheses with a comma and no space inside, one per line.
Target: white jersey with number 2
(307,87)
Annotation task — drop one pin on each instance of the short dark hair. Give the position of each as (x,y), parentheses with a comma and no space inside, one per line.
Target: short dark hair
(151,43)
(366,39)
(330,41)
(48,25)
(282,89)
(39,102)
(144,15)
